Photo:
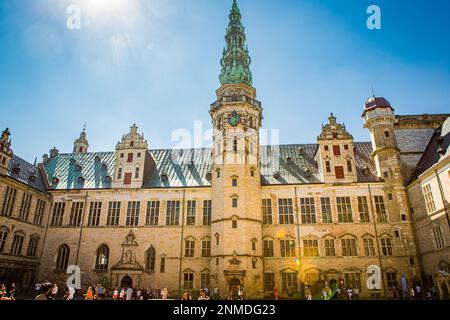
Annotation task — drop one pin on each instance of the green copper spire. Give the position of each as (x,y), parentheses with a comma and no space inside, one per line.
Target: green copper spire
(235,60)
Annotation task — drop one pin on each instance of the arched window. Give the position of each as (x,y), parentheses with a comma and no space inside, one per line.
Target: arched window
(150,259)
(62,259)
(3,236)
(102,258)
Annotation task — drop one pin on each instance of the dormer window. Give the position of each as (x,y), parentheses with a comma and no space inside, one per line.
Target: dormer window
(77,167)
(72,161)
(97,159)
(107,179)
(164,177)
(131,143)
(55,181)
(16,168)
(130,157)
(209,176)
(81,180)
(387,134)
(104,167)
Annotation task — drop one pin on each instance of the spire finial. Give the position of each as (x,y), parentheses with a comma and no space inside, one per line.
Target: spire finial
(84,127)
(373,92)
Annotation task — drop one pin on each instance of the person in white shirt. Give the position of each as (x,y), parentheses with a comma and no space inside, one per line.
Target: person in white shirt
(71,293)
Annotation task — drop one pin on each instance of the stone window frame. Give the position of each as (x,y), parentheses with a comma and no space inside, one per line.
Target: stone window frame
(102,255)
(352,250)
(430,204)
(4,234)
(17,244)
(33,245)
(369,245)
(386,245)
(438,237)
(62,258)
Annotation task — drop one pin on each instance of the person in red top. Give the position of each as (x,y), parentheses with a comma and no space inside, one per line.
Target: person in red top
(275,293)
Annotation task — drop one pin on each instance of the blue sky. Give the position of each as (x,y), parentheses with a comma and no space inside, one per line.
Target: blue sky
(156,63)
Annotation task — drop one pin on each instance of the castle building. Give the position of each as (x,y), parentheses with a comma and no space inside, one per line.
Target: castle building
(332,213)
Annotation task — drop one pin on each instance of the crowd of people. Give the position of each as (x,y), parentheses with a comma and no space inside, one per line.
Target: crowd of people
(49,291)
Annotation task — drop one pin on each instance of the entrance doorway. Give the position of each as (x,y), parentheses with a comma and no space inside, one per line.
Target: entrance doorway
(234,284)
(127,282)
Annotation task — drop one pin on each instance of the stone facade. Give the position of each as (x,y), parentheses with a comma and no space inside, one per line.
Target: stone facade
(239,214)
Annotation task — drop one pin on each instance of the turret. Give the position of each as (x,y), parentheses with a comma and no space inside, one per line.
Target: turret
(335,155)
(379,118)
(81,144)
(6,152)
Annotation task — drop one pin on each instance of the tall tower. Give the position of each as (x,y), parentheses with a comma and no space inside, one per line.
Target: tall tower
(236,115)
(6,153)
(379,118)
(81,144)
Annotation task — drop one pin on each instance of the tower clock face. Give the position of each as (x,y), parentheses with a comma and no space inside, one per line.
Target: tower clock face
(234,119)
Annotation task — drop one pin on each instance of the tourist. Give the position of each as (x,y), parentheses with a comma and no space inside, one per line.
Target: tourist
(350,294)
(203,295)
(275,293)
(45,291)
(216,293)
(240,293)
(356,293)
(71,293)
(116,294)
(324,294)
(418,291)
(412,294)
(100,292)
(129,293)
(165,294)
(89,294)
(54,292)
(12,291)
(308,294)
(186,296)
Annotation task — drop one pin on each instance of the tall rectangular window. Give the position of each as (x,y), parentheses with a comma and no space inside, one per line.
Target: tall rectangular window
(127,179)
(363,209)
(113,214)
(337,150)
(189,248)
(386,246)
(205,280)
(207,204)
(369,247)
(162,265)
(438,237)
(429,201)
(268,248)
(76,214)
(330,249)
(380,209)
(152,218)
(267,211)
(339,172)
(32,246)
(3,236)
(40,208)
(95,211)
(191,212)
(310,248)
(188,283)
(25,207)
(269,281)
(16,248)
(130,157)
(206,248)
(286,211)
(173,213)
(287,248)
(349,166)
(328,166)
(289,283)
(133,213)
(8,203)
(349,247)
(352,280)
(308,210)
(391,278)
(58,213)
(344,208)
(326,210)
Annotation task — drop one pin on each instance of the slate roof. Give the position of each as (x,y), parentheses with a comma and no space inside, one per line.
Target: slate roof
(284,164)
(437,150)
(25,172)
